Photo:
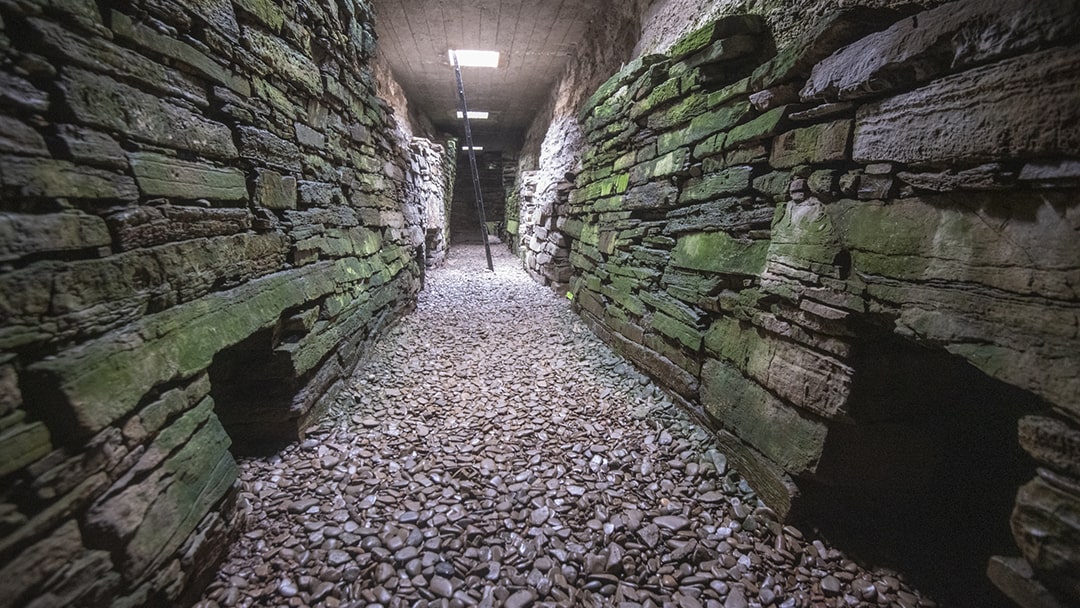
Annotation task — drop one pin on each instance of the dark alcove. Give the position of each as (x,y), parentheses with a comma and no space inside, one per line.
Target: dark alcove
(923,473)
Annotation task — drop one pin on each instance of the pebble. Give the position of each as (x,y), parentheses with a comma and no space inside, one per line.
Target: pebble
(520,599)
(461,469)
(441,587)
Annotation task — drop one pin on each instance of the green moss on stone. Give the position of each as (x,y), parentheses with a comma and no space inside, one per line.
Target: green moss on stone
(719,252)
(764,126)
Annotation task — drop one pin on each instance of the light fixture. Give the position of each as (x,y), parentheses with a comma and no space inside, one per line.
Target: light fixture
(474,148)
(474,115)
(475,59)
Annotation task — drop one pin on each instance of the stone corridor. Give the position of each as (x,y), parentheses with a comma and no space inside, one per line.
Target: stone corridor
(484,457)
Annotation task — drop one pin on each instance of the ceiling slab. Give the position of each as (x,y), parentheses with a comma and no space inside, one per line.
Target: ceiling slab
(534,37)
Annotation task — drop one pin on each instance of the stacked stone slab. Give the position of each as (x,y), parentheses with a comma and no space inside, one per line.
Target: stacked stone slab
(521,205)
(745,222)
(431,188)
(545,247)
(202,223)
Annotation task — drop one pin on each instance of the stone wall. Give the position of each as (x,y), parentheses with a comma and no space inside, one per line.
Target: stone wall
(431,185)
(202,223)
(820,250)
(554,144)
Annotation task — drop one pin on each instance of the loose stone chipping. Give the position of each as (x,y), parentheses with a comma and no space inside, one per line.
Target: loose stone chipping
(462,470)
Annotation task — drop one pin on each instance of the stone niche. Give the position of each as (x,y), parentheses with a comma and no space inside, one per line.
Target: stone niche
(855,257)
(205,217)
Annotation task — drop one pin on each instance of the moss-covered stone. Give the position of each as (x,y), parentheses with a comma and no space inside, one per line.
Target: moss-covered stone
(787,437)
(821,143)
(623,290)
(804,236)
(719,252)
(764,126)
(703,37)
(265,11)
(101,101)
(48,178)
(159,175)
(631,72)
(688,336)
(678,114)
(662,94)
(717,121)
(89,387)
(669,164)
(813,381)
(733,180)
(21,443)
(151,515)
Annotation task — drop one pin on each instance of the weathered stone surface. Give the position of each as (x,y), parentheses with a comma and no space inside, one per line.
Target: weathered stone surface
(730,214)
(1018,108)
(790,439)
(992,176)
(654,195)
(123,26)
(53,515)
(22,234)
(37,563)
(762,127)
(275,191)
(47,178)
(1052,443)
(832,32)
(1014,577)
(19,92)
(47,301)
(724,50)
(267,12)
(17,137)
(942,40)
(813,381)
(22,444)
(102,56)
(944,254)
(629,73)
(942,238)
(822,143)
(689,336)
(719,252)
(725,27)
(80,388)
(669,164)
(100,101)
(258,144)
(88,147)
(151,511)
(319,194)
(159,175)
(733,180)
(290,63)
(1046,527)
(804,237)
(149,226)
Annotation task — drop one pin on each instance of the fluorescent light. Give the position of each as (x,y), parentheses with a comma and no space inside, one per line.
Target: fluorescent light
(475,59)
(474,148)
(474,115)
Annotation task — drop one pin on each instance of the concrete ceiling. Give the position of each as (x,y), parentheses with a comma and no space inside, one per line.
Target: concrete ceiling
(535,38)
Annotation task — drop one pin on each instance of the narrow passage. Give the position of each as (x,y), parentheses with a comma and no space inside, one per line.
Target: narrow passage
(494,452)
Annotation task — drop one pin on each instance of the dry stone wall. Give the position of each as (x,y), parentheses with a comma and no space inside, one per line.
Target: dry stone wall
(431,186)
(755,229)
(203,221)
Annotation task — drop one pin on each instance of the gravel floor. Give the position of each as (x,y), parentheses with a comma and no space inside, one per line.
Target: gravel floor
(495,453)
